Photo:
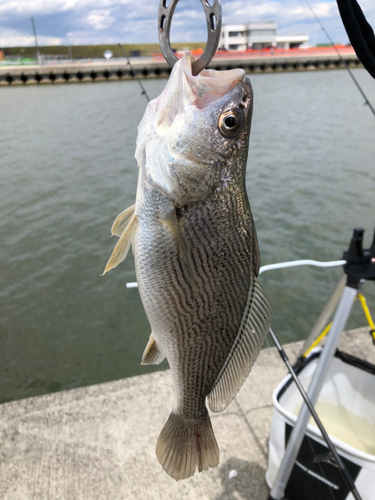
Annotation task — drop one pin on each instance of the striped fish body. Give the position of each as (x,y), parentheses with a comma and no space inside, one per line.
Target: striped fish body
(196,254)
(195,319)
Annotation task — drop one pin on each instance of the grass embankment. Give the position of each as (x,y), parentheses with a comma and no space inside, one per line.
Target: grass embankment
(94,51)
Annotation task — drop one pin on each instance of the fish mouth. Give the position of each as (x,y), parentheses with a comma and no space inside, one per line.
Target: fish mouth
(172,117)
(208,86)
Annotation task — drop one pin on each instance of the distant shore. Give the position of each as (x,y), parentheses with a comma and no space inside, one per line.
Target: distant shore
(66,70)
(95,51)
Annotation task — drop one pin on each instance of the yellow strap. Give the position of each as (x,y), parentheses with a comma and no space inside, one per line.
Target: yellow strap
(321,337)
(326,330)
(368,315)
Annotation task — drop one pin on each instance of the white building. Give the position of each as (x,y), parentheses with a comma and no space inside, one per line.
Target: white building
(257,36)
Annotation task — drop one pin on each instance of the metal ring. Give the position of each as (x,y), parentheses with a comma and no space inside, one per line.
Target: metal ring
(213,20)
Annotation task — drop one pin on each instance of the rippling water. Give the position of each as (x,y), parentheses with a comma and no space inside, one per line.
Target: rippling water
(67,169)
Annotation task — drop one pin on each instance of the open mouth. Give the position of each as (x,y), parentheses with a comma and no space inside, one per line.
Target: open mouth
(208,86)
(184,89)
(183,95)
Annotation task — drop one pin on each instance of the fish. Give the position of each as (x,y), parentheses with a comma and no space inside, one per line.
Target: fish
(196,253)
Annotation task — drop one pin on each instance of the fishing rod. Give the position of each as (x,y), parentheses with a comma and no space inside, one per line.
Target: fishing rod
(340,464)
(367,102)
(360,33)
(134,73)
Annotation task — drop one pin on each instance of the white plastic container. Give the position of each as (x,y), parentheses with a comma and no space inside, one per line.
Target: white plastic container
(346,406)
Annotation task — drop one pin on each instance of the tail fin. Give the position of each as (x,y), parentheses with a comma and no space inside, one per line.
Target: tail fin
(185,444)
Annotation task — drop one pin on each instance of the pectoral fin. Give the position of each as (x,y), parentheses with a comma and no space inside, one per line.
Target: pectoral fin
(152,354)
(122,221)
(122,247)
(252,333)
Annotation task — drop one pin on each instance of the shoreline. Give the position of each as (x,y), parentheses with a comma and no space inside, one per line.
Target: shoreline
(98,442)
(151,68)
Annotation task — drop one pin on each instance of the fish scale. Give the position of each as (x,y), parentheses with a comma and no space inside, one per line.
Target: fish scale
(196,253)
(161,291)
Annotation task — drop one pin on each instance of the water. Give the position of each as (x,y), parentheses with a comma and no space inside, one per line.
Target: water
(345,425)
(67,169)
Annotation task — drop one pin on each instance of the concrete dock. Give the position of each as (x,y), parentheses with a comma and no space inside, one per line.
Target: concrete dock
(119,69)
(98,442)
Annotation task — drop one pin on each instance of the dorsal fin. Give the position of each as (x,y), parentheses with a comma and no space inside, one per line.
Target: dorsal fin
(122,247)
(152,354)
(122,221)
(255,323)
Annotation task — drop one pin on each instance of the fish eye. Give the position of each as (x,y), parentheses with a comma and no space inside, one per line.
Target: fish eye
(231,122)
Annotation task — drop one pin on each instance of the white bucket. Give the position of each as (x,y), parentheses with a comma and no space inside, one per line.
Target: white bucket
(346,406)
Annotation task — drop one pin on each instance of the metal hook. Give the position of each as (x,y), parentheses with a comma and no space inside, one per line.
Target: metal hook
(213,19)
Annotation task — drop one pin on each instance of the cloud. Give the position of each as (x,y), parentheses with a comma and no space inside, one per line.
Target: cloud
(44,7)
(100,19)
(27,8)
(281,11)
(14,38)
(127,21)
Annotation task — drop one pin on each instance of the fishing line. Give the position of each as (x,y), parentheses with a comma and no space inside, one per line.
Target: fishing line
(367,102)
(134,73)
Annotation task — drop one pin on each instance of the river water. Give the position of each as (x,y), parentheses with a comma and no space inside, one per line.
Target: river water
(67,169)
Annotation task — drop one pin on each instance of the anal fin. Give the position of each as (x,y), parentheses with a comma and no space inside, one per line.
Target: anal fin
(152,354)
(254,327)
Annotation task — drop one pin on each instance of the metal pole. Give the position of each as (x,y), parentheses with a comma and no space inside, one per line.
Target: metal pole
(325,315)
(344,471)
(297,435)
(36,39)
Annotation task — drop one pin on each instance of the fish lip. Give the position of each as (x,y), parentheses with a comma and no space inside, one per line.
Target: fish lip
(209,85)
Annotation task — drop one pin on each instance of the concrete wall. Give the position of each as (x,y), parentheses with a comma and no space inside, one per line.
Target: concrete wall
(149,68)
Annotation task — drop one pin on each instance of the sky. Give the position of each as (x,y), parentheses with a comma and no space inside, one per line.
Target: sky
(86,22)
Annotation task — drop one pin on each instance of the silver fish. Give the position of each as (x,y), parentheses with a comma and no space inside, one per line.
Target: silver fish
(196,253)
